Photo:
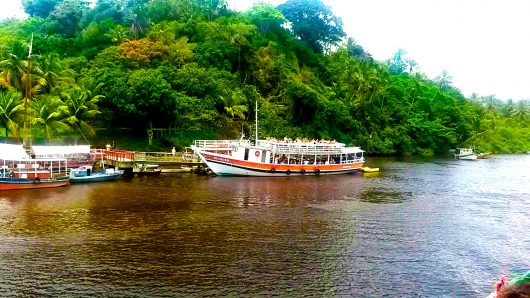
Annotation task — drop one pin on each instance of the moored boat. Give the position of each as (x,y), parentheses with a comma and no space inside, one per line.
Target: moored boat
(465,154)
(369,170)
(85,174)
(33,174)
(146,170)
(272,158)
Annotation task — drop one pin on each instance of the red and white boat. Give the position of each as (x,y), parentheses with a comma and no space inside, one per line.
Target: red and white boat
(272,158)
(18,171)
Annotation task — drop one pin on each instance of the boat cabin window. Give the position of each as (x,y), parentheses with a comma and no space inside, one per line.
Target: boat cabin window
(246,153)
(263,155)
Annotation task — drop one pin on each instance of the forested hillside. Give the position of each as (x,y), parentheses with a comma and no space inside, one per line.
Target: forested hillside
(198,67)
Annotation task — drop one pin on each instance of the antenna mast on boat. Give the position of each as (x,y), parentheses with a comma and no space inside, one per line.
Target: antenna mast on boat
(28,93)
(256,122)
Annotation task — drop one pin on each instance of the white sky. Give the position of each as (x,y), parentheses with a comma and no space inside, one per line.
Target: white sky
(483,44)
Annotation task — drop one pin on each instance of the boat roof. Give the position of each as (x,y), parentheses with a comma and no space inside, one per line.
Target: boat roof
(10,152)
(60,150)
(327,147)
(36,160)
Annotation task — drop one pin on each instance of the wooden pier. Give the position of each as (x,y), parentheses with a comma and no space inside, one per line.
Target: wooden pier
(134,161)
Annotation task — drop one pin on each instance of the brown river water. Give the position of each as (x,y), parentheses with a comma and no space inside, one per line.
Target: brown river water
(433,227)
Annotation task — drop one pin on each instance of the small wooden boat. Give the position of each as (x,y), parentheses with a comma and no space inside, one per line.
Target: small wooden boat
(483,155)
(369,170)
(85,174)
(146,170)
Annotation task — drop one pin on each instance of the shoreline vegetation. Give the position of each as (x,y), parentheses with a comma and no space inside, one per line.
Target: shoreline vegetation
(150,75)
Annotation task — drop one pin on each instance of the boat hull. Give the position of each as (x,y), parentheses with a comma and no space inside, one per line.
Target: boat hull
(224,166)
(95,178)
(467,157)
(22,183)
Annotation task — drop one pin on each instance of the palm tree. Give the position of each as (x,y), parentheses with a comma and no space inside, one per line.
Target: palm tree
(81,102)
(444,80)
(235,104)
(521,112)
(13,69)
(11,109)
(118,35)
(367,80)
(53,72)
(49,112)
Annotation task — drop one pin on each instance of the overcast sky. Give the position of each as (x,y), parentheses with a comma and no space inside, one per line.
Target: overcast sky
(483,44)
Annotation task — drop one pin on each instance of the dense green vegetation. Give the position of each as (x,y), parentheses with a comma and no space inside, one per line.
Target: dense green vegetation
(198,67)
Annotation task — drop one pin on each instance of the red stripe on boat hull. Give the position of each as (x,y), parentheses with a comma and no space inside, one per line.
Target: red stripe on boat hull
(246,168)
(16,186)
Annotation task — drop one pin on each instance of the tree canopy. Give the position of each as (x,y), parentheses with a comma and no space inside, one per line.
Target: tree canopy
(197,66)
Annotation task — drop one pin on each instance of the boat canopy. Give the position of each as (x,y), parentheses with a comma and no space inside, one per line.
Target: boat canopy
(10,152)
(349,150)
(45,151)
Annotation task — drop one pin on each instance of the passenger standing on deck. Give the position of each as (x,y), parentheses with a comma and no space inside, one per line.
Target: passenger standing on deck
(173,151)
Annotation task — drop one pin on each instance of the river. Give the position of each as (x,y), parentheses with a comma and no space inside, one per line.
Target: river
(432,227)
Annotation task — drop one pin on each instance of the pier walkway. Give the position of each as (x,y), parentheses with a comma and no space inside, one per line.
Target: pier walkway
(135,160)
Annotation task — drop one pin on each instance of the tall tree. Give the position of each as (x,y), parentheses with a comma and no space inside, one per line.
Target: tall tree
(40,8)
(266,17)
(444,80)
(68,14)
(356,50)
(397,63)
(212,8)
(314,23)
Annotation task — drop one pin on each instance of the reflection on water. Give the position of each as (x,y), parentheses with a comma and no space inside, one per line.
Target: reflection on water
(422,227)
(382,197)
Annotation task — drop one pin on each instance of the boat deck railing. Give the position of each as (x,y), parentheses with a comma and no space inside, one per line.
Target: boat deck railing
(302,148)
(220,145)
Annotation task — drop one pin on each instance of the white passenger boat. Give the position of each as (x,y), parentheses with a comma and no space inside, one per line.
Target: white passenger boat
(465,154)
(278,158)
(274,158)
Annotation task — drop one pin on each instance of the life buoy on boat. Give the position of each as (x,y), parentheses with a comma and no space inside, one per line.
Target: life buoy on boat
(36,180)
(288,172)
(273,170)
(257,153)
(317,172)
(302,171)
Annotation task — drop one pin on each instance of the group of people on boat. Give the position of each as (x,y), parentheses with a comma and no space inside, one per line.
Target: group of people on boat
(297,161)
(300,140)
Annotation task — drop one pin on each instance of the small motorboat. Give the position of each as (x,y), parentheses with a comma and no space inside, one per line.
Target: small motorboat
(146,170)
(465,154)
(85,174)
(369,170)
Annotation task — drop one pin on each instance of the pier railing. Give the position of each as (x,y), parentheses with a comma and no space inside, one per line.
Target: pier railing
(119,155)
(166,156)
(219,145)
